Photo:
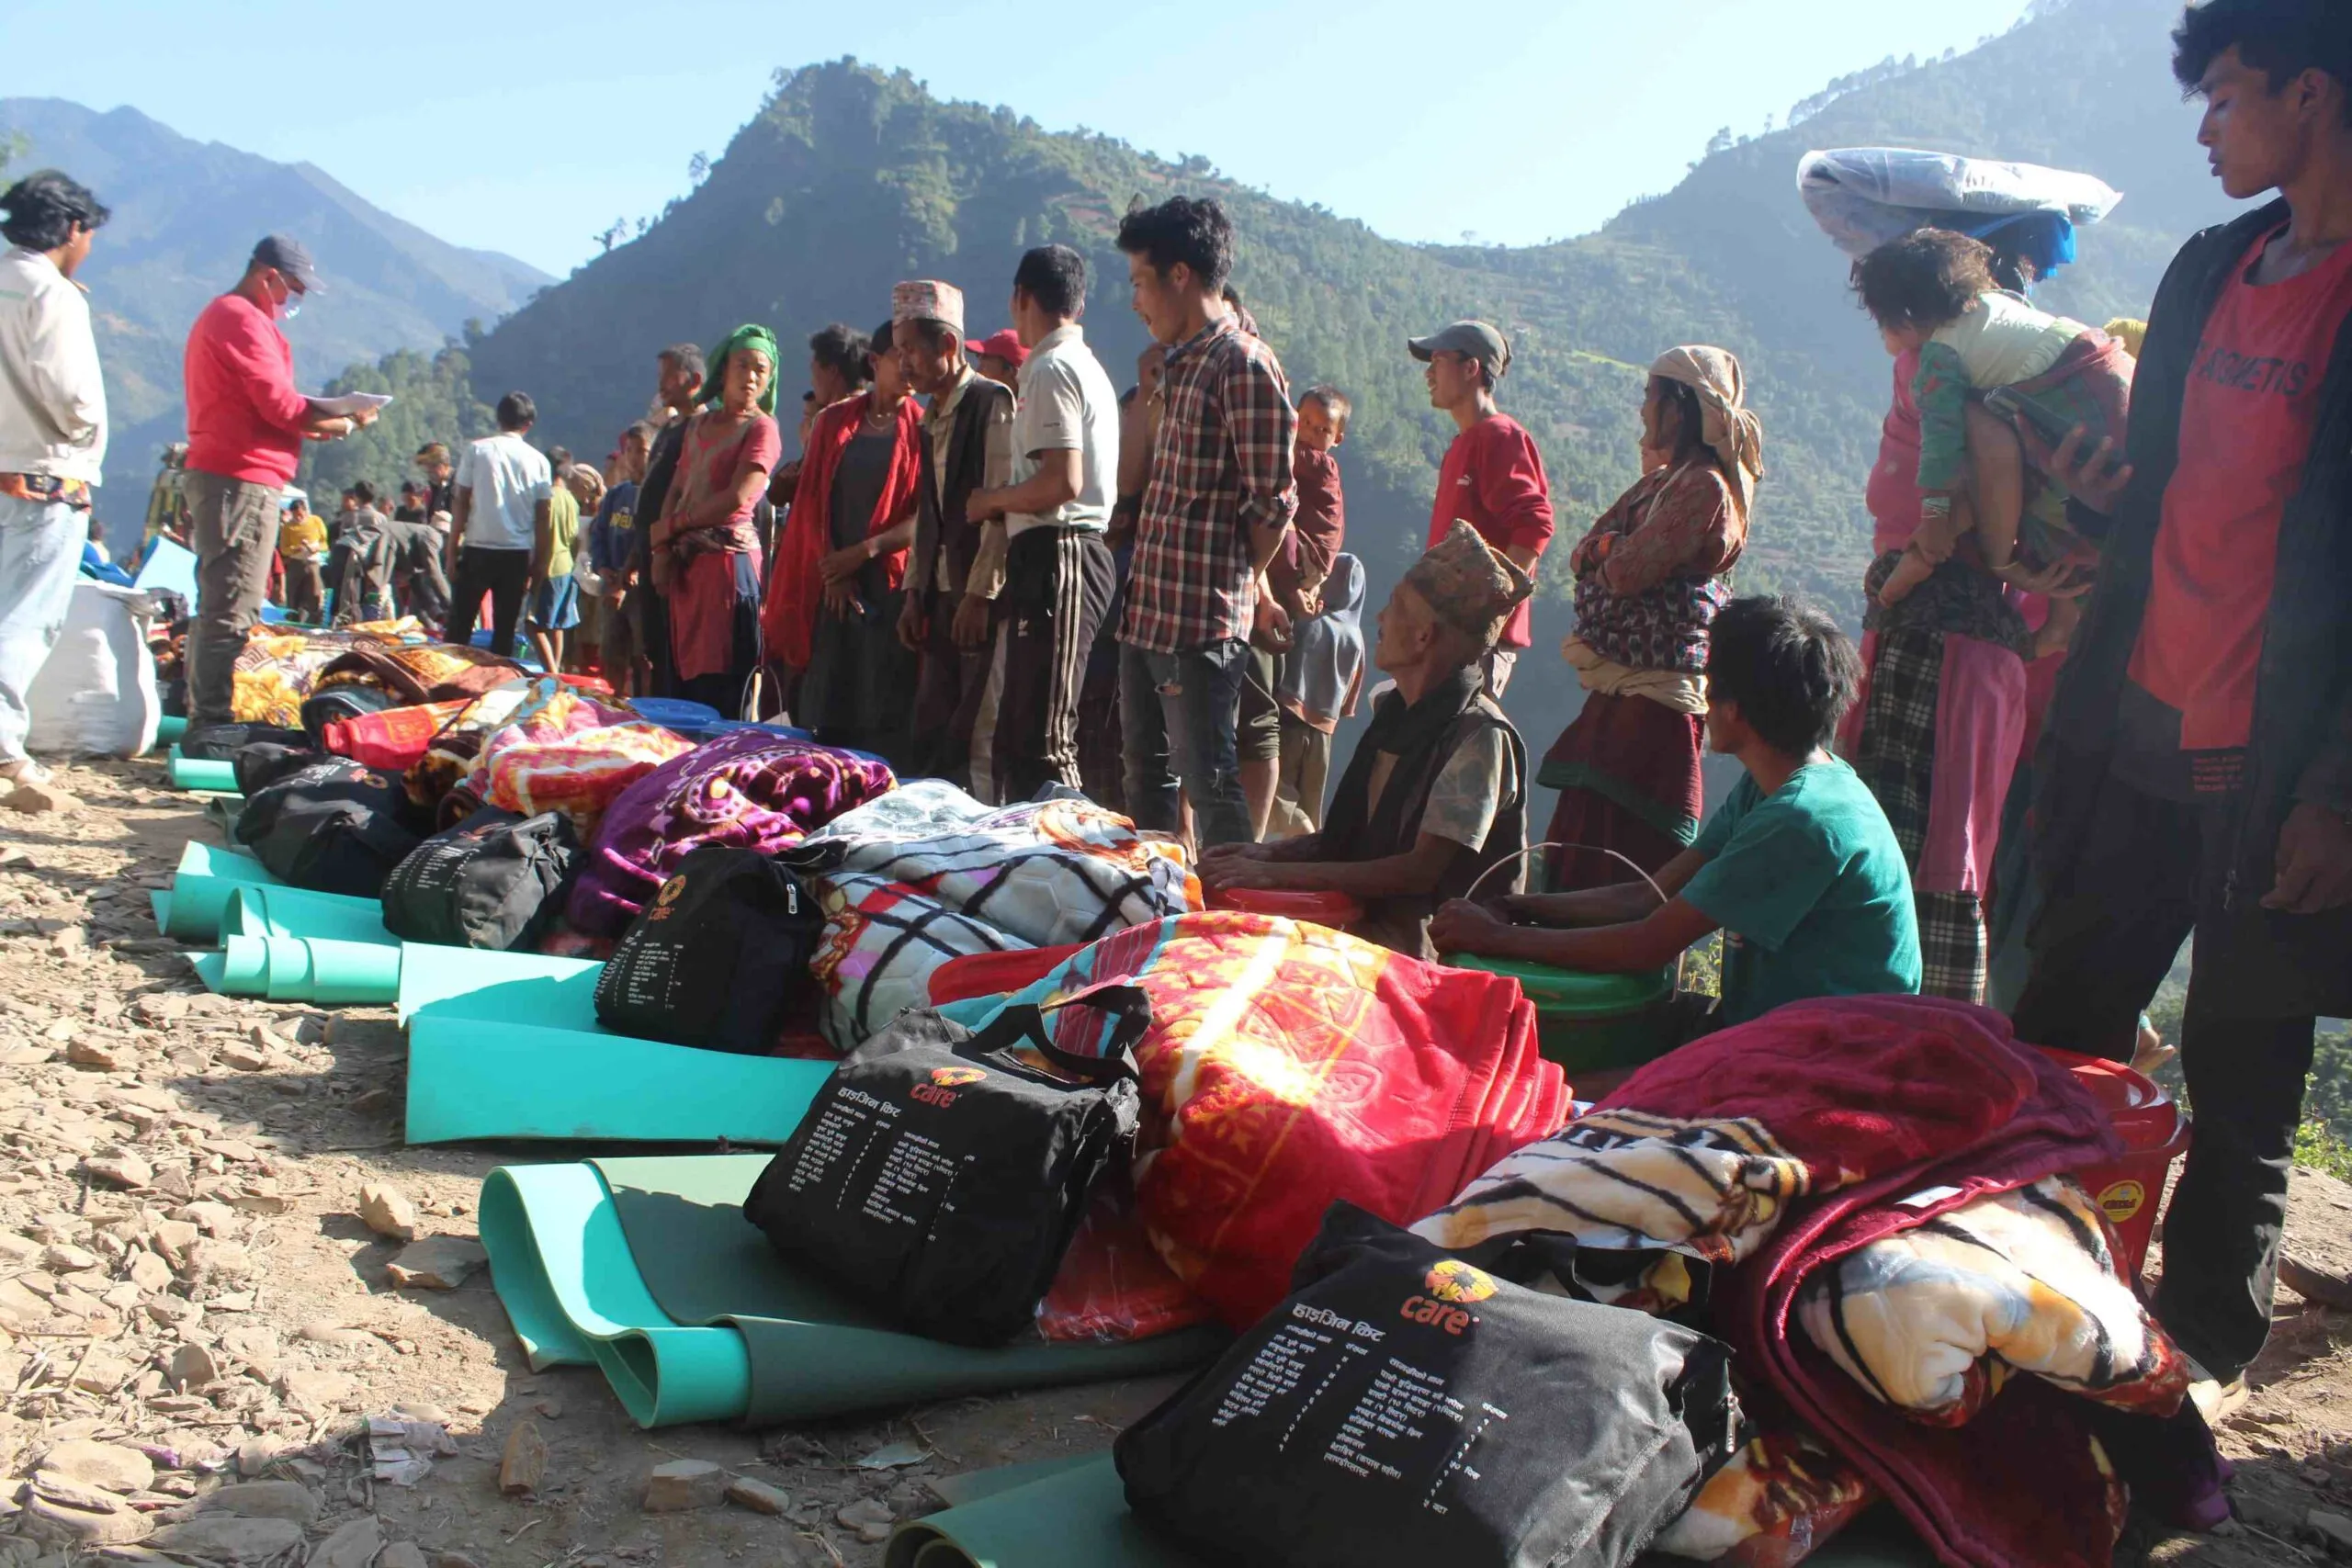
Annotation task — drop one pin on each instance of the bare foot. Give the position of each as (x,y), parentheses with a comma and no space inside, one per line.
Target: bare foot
(1910,572)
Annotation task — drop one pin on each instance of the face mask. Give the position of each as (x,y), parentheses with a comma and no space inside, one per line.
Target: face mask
(291,309)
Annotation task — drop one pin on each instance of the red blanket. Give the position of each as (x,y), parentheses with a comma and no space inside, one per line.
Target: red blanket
(1288,1066)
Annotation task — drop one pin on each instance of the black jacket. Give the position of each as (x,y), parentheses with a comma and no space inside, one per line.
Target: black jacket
(2300,749)
(938,517)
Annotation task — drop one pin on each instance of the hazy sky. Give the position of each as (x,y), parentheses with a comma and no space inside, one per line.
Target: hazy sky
(528,129)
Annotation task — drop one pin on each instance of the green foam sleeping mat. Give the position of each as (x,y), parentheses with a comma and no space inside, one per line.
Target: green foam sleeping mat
(303,969)
(507,1046)
(647,1270)
(169,729)
(1073,1514)
(204,882)
(201,772)
(296,911)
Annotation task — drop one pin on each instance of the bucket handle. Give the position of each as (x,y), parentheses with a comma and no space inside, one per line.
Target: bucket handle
(1596,848)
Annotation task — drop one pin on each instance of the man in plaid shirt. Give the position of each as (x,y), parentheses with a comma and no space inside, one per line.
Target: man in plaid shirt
(1215,509)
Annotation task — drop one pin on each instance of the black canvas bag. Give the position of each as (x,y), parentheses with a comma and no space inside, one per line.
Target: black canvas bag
(940,1173)
(344,703)
(333,826)
(716,958)
(496,880)
(222,742)
(262,763)
(1403,1406)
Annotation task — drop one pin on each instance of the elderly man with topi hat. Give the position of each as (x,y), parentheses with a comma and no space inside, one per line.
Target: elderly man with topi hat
(1435,796)
(955,570)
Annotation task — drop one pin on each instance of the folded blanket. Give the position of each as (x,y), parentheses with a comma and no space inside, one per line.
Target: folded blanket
(1770,1506)
(579,773)
(1288,1066)
(751,789)
(456,747)
(882,940)
(1931,1319)
(1044,873)
(1703,1151)
(276,671)
(419,672)
(2027,1481)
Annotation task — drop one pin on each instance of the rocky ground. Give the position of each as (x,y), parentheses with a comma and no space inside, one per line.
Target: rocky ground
(242,1325)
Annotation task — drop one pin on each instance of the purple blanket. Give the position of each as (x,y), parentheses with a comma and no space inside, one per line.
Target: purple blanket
(751,789)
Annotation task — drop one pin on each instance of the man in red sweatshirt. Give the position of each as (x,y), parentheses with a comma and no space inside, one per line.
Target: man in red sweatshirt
(245,428)
(1493,476)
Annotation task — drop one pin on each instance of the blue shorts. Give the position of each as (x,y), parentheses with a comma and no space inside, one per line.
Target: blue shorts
(555,605)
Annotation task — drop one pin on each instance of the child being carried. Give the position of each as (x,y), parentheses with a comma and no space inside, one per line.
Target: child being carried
(2000,384)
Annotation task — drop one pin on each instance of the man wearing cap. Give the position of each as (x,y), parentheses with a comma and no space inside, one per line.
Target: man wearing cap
(1000,355)
(1059,576)
(246,424)
(1435,796)
(440,479)
(956,564)
(1492,477)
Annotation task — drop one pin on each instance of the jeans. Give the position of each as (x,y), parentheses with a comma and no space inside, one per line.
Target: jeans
(233,523)
(501,573)
(2152,872)
(40,555)
(1180,711)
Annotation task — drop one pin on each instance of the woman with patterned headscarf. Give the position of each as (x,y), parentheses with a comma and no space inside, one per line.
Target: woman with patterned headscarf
(705,551)
(1650,577)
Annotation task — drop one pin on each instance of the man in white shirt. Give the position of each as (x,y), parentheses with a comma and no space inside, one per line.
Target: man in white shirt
(1058,572)
(504,486)
(52,444)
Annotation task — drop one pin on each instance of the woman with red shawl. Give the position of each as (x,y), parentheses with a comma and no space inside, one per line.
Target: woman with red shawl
(832,605)
(706,552)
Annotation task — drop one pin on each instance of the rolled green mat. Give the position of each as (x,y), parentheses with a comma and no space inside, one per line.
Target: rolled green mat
(202,773)
(300,969)
(1073,1514)
(350,973)
(169,729)
(645,1269)
(1059,1513)
(206,879)
(296,911)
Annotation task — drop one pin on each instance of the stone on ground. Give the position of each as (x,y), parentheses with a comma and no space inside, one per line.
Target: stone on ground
(108,1466)
(438,1262)
(386,1209)
(683,1484)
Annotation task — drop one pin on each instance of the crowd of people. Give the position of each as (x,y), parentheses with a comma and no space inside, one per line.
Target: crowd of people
(2102,701)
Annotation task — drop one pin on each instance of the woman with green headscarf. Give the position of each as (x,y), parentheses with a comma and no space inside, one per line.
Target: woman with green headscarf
(706,552)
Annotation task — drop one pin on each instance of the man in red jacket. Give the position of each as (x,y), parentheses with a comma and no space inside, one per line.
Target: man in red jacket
(245,428)
(1493,476)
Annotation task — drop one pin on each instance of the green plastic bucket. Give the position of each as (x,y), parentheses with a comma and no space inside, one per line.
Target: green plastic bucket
(1592,1022)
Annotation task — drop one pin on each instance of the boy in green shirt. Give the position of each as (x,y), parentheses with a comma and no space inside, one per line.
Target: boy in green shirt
(1798,869)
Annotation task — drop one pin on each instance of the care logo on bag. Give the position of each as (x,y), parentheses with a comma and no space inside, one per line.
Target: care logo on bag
(665,902)
(1454,1281)
(944,1082)
(1452,1286)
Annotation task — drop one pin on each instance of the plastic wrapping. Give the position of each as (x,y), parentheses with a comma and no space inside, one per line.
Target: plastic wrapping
(1863,196)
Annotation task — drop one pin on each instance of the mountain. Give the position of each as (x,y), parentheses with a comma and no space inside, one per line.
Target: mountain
(186,216)
(850,176)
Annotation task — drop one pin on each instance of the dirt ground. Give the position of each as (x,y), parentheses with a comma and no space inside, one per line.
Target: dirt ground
(230,1317)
